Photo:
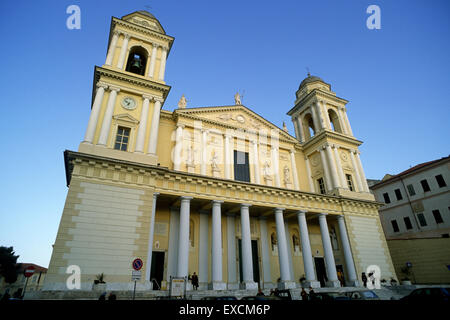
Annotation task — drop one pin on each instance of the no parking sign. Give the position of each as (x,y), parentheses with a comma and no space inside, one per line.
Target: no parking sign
(137,264)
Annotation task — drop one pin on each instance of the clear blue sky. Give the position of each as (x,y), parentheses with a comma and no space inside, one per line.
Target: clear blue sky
(397,80)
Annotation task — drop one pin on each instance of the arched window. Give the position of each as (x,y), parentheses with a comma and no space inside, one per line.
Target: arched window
(334,121)
(309,124)
(137,61)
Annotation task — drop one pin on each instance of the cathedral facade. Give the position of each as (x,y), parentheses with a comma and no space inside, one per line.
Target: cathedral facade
(219,191)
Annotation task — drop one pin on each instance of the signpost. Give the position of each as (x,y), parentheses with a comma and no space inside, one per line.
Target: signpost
(28,272)
(136,273)
(177,287)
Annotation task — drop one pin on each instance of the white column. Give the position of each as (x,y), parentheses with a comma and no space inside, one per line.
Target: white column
(151,71)
(300,129)
(178,146)
(345,119)
(174,233)
(306,252)
(328,252)
(96,107)
(204,149)
(123,51)
(246,244)
(361,172)
(276,169)
(315,119)
(319,114)
(325,114)
(142,125)
(183,240)
(356,170)
(352,279)
(256,162)
(216,246)
(285,273)
(265,257)
(297,132)
(294,169)
(227,157)
(332,164)
(289,249)
(162,66)
(106,125)
(325,169)
(308,172)
(339,167)
(154,129)
(112,48)
(148,266)
(231,253)
(203,251)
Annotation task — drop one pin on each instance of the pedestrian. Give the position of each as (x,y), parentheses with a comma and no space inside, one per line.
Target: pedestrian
(112,296)
(102,296)
(194,281)
(312,294)
(260,292)
(340,275)
(364,279)
(18,294)
(304,295)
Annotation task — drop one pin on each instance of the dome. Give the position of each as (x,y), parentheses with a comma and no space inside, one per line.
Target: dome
(309,79)
(146,13)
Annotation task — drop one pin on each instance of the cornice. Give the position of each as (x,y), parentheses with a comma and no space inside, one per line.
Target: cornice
(312,97)
(163,173)
(323,137)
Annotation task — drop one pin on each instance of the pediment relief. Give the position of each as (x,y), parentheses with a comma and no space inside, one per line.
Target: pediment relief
(126,118)
(238,117)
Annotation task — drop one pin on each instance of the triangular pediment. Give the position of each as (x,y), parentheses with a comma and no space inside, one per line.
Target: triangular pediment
(239,117)
(144,19)
(126,117)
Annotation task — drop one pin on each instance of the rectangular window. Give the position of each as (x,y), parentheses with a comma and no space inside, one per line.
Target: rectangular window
(123,134)
(349,182)
(437,216)
(386,198)
(440,180)
(411,190)
(425,185)
(422,221)
(321,185)
(241,166)
(398,194)
(407,223)
(395,225)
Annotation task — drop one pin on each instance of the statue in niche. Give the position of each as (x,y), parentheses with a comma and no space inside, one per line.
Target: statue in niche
(266,170)
(295,242)
(334,240)
(214,165)
(237,99)
(182,103)
(190,157)
(273,240)
(286,175)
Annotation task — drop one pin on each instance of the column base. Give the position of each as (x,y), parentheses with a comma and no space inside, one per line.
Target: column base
(248,285)
(310,283)
(352,283)
(268,285)
(232,286)
(282,285)
(333,284)
(217,286)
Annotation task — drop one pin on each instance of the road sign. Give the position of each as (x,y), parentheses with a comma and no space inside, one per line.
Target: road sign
(137,264)
(29,271)
(136,275)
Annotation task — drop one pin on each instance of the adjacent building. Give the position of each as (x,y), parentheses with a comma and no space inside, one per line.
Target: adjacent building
(416,219)
(34,283)
(216,190)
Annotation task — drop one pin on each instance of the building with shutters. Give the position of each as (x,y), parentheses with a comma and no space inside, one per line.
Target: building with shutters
(216,190)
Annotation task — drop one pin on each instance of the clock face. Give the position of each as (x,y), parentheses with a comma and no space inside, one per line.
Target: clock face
(128,103)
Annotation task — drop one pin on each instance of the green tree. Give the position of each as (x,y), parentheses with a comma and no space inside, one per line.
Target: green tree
(8,264)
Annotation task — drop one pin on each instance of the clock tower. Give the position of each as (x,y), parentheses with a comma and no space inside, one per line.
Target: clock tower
(129,91)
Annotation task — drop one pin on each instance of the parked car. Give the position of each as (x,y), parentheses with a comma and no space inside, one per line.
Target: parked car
(428,294)
(282,294)
(330,296)
(261,298)
(219,298)
(362,295)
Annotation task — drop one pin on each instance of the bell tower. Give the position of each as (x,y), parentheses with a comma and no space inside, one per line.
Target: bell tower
(331,151)
(129,91)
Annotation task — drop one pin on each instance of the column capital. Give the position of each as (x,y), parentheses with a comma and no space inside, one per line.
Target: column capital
(155,194)
(117,33)
(245,205)
(147,96)
(114,88)
(157,99)
(279,209)
(301,213)
(340,217)
(156,45)
(204,131)
(102,85)
(227,135)
(292,151)
(126,35)
(180,125)
(186,198)
(274,148)
(322,214)
(217,202)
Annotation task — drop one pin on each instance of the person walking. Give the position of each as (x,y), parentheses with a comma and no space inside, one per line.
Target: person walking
(364,279)
(194,281)
(304,295)
(312,294)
